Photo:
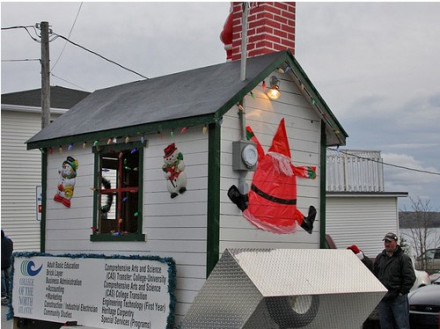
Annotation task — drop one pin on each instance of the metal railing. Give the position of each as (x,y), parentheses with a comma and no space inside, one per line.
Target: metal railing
(354,171)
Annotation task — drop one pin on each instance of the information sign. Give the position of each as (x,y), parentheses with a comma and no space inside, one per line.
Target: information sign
(103,292)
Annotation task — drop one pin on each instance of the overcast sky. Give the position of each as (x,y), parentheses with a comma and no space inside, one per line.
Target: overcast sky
(375,64)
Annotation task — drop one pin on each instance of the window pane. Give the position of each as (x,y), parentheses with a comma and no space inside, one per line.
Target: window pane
(118,194)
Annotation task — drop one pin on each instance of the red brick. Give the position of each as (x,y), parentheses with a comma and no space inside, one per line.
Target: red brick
(272,9)
(280,34)
(236,35)
(274,24)
(260,44)
(287,28)
(255,24)
(271,28)
(251,31)
(252,18)
(236,15)
(268,44)
(265,29)
(288,43)
(236,21)
(290,36)
(280,19)
(291,7)
(255,53)
(257,9)
(291,22)
(289,15)
(280,5)
(256,38)
(268,15)
(272,38)
(236,43)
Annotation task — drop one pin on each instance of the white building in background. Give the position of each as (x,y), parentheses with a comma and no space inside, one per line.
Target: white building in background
(359,210)
(20,168)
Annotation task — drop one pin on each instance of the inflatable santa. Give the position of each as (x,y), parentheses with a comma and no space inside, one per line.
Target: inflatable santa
(271,202)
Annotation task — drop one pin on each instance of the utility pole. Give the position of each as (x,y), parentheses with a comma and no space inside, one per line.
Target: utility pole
(45,117)
(45,75)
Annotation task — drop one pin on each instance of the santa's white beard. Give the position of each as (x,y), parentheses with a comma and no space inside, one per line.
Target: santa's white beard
(281,164)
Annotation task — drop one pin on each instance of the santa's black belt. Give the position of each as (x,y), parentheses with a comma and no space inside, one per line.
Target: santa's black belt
(271,197)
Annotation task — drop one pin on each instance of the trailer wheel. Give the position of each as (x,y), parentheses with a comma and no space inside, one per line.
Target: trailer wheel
(293,311)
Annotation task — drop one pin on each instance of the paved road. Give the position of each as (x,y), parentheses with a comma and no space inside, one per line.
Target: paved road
(5,324)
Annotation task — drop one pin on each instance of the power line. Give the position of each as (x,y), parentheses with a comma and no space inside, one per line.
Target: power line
(66,81)
(104,58)
(386,164)
(21,60)
(22,27)
(75,44)
(70,33)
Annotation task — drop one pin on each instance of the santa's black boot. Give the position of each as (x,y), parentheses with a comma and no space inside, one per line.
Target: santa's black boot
(241,200)
(307,223)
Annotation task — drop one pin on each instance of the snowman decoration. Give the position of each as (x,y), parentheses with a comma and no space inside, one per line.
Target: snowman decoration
(173,169)
(66,183)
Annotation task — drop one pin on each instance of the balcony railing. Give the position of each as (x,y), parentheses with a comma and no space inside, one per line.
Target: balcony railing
(354,171)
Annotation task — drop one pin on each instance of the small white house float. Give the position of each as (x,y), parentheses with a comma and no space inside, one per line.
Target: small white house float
(132,135)
(145,168)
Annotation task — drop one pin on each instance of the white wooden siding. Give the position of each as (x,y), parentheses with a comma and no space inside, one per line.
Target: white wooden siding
(174,228)
(304,130)
(177,227)
(21,174)
(362,221)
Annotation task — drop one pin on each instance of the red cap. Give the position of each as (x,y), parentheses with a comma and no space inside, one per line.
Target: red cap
(354,248)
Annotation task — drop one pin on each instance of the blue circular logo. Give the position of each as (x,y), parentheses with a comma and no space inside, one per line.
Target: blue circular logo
(28,268)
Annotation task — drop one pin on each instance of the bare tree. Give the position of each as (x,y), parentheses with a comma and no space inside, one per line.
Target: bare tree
(421,229)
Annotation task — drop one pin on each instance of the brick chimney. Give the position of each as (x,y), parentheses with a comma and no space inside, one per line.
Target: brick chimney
(271,28)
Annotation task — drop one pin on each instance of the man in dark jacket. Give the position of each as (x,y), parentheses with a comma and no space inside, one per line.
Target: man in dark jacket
(7,248)
(396,272)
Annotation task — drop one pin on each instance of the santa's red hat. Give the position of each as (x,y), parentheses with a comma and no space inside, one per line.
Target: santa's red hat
(280,143)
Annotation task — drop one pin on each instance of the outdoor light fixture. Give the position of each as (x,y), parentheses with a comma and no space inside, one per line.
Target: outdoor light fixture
(274,91)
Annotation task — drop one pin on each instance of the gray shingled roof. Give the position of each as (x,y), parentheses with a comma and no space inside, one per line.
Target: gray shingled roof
(197,96)
(60,97)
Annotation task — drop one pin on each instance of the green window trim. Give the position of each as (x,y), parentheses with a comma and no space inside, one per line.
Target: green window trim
(323,185)
(98,150)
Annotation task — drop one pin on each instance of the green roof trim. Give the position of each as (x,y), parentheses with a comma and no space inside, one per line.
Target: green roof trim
(132,131)
(327,115)
(251,85)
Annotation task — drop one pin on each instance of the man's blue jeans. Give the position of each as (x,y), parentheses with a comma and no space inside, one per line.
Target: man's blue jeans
(395,313)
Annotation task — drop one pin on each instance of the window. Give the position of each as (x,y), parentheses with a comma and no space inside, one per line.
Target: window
(429,254)
(118,192)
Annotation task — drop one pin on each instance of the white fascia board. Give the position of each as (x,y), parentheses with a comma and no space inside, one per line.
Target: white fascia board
(365,194)
(30,109)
